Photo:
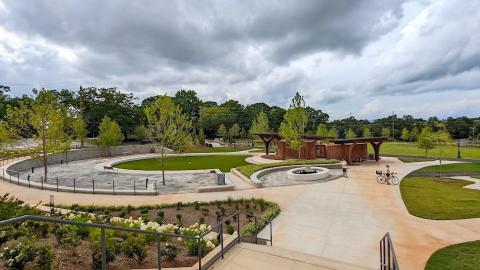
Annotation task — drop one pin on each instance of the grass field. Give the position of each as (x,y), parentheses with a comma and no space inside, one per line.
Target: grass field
(434,198)
(204,149)
(464,256)
(455,167)
(248,170)
(223,163)
(413,159)
(411,149)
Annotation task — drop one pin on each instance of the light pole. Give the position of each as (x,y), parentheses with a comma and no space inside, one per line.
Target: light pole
(458,149)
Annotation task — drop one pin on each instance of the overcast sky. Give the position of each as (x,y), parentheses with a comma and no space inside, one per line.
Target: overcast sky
(364,58)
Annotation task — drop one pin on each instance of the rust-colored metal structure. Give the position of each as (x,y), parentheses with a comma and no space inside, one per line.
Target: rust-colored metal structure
(350,150)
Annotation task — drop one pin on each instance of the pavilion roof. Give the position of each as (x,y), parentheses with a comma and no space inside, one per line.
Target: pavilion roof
(360,140)
(278,136)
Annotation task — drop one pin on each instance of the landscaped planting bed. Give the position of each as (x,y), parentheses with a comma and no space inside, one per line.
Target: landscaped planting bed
(248,170)
(35,245)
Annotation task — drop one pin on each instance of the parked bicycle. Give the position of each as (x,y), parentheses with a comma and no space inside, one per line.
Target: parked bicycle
(382,178)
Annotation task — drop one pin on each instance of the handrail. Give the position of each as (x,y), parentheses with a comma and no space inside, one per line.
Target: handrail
(159,235)
(388,259)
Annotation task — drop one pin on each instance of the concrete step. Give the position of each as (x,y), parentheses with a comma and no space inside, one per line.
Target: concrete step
(259,257)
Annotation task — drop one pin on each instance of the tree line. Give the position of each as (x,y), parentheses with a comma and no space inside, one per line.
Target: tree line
(230,119)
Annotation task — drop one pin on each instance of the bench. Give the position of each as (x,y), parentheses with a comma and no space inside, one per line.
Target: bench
(362,159)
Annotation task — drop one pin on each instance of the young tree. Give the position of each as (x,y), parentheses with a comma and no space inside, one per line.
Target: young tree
(323,131)
(386,132)
(201,137)
(141,133)
(426,140)
(405,135)
(366,133)
(351,134)
(414,134)
(294,123)
(222,132)
(79,129)
(169,126)
(260,123)
(109,133)
(48,120)
(4,135)
(234,131)
(333,132)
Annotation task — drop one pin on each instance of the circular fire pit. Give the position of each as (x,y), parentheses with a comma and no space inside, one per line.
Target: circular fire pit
(308,173)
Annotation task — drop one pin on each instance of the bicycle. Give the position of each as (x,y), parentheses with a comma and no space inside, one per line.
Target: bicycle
(383,179)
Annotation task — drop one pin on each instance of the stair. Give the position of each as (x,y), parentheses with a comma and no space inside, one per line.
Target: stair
(259,257)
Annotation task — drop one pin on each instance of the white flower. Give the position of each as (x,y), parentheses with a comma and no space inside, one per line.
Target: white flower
(210,245)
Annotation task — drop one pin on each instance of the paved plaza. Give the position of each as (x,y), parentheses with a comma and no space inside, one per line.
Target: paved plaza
(90,172)
(343,219)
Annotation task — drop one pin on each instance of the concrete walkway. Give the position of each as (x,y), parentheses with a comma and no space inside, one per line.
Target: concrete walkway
(341,220)
(475,185)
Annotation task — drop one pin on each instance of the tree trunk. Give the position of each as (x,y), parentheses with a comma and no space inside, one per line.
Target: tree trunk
(426,152)
(45,160)
(163,165)
(81,143)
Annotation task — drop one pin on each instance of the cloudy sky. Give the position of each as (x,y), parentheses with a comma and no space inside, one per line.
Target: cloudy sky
(364,58)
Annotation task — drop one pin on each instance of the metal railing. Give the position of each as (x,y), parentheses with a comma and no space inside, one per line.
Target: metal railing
(388,259)
(218,228)
(140,186)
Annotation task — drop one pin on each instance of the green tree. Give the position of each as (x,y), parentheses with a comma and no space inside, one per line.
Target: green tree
(212,117)
(386,132)
(260,123)
(110,133)
(322,130)
(351,134)
(222,132)
(48,119)
(188,101)
(141,133)
(426,140)
(333,132)
(79,130)
(405,135)
(294,123)
(234,131)
(366,133)
(201,137)
(169,127)
(414,134)
(4,137)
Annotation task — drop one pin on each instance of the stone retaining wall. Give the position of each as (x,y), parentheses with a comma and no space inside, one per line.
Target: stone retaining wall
(87,153)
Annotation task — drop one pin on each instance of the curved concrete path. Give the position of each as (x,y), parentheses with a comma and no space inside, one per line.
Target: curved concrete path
(342,219)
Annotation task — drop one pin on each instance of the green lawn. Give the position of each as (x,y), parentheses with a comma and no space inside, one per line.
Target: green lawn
(464,256)
(223,162)
(412,159)
(204,149)
(248,170)
(455,167)
(411,149)
(434,198)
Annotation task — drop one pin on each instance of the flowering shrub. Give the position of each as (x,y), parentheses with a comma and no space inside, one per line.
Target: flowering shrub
(18,253)
(170,251)
(206,243)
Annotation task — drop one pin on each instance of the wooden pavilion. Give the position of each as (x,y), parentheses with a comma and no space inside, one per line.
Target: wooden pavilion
(350,150)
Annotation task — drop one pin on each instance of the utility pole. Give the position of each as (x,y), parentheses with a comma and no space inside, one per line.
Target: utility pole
(393,125)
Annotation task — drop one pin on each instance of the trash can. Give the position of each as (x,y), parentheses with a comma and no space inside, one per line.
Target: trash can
(221,179)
